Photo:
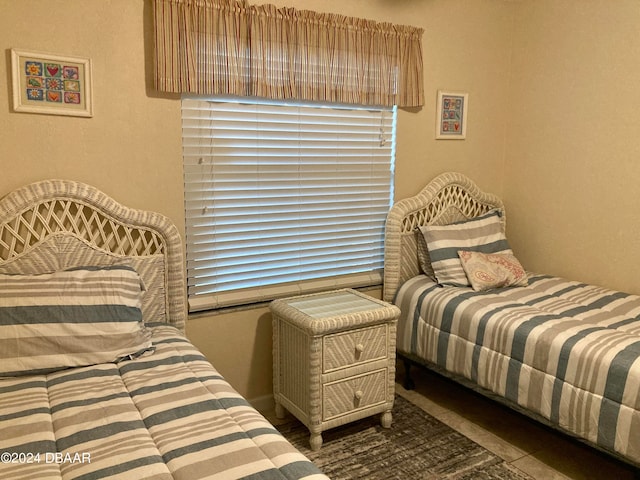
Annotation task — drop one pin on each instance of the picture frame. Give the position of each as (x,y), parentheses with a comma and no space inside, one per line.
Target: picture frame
(51,84)
(451,115)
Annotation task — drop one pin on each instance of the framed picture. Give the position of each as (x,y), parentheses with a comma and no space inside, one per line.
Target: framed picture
(451,116)
(51,84)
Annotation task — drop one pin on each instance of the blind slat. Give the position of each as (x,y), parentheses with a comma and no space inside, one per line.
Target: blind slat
(282,199)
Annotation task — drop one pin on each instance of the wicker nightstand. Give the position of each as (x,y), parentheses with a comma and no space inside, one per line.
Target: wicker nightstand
(333,359)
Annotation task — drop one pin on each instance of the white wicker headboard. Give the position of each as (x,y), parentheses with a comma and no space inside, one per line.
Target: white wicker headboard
(56,224)
(449,198)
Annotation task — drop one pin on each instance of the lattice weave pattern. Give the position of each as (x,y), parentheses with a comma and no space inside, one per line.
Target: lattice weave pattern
(453,203)
(65,216)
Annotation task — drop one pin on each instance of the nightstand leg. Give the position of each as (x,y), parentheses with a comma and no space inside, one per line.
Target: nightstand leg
(280,411)
(385,419)
(315,441)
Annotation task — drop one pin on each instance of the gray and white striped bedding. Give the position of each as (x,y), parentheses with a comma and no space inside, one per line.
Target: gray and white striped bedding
(567,351)
(165,415)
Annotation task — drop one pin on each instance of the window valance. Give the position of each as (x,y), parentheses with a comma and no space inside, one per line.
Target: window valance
(228,47)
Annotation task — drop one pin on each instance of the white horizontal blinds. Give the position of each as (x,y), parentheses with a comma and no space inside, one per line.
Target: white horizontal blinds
(283,198)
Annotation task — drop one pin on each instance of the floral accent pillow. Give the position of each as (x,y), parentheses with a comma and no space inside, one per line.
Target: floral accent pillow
(492,270)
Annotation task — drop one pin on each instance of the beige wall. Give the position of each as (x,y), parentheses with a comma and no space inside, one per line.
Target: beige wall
(572,161)
(131,147)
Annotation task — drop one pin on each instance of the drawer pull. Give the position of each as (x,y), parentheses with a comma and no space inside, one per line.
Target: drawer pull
(359,348)
(358,394)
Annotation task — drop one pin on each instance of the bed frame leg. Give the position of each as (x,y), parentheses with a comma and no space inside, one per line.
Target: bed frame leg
(408,381)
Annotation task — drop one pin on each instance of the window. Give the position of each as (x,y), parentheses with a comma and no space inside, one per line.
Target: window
(283,198)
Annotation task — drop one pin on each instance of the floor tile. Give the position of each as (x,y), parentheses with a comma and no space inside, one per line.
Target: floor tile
(528,445)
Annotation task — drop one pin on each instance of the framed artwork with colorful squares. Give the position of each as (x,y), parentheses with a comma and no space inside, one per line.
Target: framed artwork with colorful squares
(51,84)
(451,115)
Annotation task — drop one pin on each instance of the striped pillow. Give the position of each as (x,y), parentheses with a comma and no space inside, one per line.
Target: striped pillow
(423,255)
(78,317)
(482,234)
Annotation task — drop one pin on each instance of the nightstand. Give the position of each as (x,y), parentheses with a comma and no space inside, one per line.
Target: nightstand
(333,359)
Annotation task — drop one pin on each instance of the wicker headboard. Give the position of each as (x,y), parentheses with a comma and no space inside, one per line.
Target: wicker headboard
(57,224)
(448,198)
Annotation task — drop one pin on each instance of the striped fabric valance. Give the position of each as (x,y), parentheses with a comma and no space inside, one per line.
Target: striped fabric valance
(228,47)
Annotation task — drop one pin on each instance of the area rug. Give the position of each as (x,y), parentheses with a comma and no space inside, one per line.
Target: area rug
(417,446)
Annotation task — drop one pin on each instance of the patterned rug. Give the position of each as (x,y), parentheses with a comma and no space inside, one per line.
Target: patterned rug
(416,447)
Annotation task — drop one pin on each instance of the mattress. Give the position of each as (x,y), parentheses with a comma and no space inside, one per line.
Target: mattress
(564,350)
(165,415)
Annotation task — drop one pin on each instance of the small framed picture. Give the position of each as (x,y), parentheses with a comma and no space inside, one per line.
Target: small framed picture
(451,116)
(51,84)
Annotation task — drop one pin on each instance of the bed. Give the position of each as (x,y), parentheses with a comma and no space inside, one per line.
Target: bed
(560,351)
(97,377)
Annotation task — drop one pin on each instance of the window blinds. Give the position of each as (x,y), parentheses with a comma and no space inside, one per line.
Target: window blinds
(283,198)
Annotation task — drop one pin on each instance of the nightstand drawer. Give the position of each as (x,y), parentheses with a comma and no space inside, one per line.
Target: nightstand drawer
(357,346)
(354,393)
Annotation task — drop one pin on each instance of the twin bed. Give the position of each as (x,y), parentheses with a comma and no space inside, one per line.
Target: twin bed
(562,352)
(97,379)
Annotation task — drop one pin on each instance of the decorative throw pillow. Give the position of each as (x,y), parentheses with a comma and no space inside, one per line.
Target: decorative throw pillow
(78,317)
(481,234)
(492,270)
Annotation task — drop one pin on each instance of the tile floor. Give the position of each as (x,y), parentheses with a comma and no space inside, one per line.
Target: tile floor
(534,449)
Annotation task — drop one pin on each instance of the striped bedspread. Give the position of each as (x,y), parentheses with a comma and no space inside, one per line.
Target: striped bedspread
(567,351)
(167,415)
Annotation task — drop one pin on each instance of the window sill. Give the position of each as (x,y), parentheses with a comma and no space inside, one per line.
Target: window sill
(372,290)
